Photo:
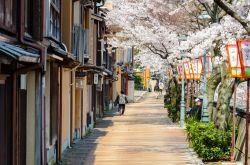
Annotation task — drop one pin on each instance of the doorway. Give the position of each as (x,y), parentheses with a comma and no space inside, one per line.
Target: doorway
(5,120)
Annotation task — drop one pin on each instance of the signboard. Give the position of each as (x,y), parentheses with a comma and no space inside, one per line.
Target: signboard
(233,60)
(96,78)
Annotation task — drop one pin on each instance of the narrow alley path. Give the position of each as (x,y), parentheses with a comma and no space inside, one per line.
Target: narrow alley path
(143,136)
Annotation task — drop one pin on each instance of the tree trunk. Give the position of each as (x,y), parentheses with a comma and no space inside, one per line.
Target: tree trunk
(225,95)
(212,84)
(174,93)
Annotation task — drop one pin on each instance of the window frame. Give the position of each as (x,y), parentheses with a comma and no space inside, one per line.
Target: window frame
(55,19)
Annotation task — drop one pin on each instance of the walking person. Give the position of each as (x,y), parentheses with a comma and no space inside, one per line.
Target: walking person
(157,90)
(161,86)
(121,100)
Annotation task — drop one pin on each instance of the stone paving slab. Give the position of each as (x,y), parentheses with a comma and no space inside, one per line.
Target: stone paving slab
(143,136)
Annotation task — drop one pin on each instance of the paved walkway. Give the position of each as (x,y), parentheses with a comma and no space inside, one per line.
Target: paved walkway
(143,136)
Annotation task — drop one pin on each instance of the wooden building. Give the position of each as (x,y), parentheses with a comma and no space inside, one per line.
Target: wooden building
(22,68)
(56,76)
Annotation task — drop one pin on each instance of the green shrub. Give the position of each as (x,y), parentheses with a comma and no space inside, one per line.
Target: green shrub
(138,82)
(173,113)
(208,142)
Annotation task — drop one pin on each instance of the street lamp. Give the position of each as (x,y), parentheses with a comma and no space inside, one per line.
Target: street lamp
(183,111)
(243,47)
(235,72)
(207,69)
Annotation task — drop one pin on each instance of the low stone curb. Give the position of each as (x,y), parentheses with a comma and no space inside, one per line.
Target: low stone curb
(195,158)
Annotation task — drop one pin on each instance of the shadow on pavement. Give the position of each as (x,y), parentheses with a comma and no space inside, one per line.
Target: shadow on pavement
(79,151)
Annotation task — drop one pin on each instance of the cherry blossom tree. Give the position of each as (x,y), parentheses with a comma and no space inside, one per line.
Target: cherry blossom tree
(155,26)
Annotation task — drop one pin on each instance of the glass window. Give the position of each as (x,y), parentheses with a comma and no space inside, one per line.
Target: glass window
(55,19)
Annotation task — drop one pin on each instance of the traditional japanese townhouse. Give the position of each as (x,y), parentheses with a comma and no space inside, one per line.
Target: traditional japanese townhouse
(59,78)
(22,68)
(103,60)
(81,47)
(123,69)
(127,75)
(108,79)
(116,75)
(96,62)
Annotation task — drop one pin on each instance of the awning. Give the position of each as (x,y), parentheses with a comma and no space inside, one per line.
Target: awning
(59,52)
(16,52)
(108,72)
(91,67)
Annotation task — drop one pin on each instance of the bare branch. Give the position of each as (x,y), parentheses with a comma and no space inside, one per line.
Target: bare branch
(225,6)
(153,49)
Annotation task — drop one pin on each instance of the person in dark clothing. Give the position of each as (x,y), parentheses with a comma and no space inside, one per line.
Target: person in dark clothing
(196,110)
(156,88)
(121,100)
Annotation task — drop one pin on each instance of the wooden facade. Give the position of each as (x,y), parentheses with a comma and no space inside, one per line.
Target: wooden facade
(49,54)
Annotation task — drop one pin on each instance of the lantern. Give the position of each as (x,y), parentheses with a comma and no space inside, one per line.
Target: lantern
(187,70)
(208,65)
(179,70)
(197,68)
(244,55)
(191,72)
(170,72)
(234,61)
